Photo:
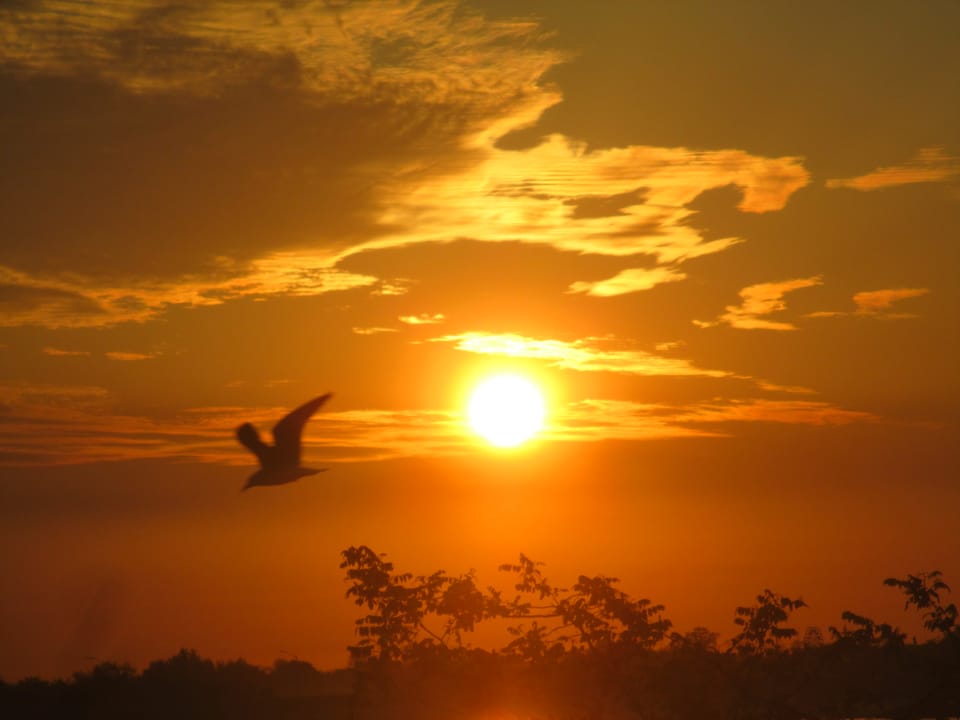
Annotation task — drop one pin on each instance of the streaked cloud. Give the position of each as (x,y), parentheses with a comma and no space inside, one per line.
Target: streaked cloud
(603,419)
(57,425)
(25,301)
(876,303)
(595,420)
(13,394)
(627,281)
(930,165)
(127,356)
(71,302)
(423,319)
(59,352)
(802,412)
(582,355)
(121,355)
(373,330)
(778,388)
(758,301)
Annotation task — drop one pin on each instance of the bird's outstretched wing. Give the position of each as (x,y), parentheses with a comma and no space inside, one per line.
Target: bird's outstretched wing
(249,437)
(286,433)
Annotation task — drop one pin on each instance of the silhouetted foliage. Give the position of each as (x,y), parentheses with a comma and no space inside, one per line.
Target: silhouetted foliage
(700,639)
(586,651)
(592,649)
(592,614)
(923,592)
(762,632)
(185,686)
(866,632)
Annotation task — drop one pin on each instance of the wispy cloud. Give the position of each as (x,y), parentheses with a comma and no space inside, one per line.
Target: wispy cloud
(397,286)
(59,352)
(876,303)
(123,356)
(595,420)
(582,355)
(778,388)
(929,165)
(627,281)
(602,419)
(373,330)
(423,319)
(803,412)
(758,301)
(26,301)
(57,425)
(69,302)
(380,49)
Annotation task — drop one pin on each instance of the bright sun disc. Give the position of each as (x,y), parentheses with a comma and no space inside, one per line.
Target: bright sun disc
(506,410)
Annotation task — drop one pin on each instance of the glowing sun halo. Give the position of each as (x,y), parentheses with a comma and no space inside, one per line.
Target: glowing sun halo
(506,410)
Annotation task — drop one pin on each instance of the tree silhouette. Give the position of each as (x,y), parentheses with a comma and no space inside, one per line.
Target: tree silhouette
(762,632)
(590,650)
(866,632)
(923,592)
(592,615)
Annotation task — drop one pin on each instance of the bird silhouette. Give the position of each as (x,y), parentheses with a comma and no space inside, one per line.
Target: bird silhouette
(280,462)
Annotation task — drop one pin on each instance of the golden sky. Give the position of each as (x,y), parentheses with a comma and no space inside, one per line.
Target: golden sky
(723,238)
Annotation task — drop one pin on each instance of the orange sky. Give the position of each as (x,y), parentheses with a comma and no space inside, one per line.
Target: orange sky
(721,236)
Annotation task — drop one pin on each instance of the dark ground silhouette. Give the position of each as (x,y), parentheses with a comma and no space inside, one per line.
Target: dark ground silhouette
(590,651)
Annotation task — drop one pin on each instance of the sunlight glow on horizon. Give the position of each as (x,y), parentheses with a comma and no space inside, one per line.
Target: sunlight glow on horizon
(506,410)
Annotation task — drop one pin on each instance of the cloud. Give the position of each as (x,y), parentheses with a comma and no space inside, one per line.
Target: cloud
(58,352)
(403,100)
(185,164)
(594,420)
(876,303)
(377,49)
(373,330)
(627,281)
(397,286)
(583,355)
(128,356)
(112,355)
(776,387)
(423,319)
(929,165)
(532,196)
(758,301)
(71,302)
(802,412)
(25,303)
(60,425)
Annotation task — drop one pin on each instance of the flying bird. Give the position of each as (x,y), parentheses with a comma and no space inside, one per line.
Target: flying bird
(280,462)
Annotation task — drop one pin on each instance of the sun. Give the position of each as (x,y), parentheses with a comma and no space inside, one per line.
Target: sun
(506,410)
